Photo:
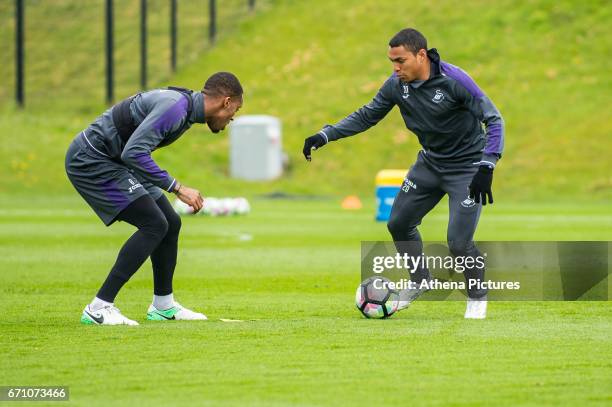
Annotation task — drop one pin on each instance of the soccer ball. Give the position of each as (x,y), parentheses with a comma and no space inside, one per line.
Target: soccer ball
(242,206)
(216,207)
(182,208)
(213,207)
(375,300)
(228,205)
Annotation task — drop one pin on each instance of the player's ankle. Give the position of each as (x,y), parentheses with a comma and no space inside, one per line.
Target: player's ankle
(98,303)
(163,302)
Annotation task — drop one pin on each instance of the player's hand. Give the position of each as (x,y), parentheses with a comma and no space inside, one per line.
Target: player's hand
(312,143)
(191,197)
(480,188)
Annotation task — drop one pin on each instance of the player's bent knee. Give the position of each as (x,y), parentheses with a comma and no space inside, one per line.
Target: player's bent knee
(157,227)
(396,228)
(174,224)
(402,230)
(461,247)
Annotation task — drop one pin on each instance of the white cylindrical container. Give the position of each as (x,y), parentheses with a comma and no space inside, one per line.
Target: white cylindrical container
(255,148)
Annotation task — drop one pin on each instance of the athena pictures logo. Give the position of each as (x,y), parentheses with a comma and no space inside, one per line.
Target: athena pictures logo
(508,271)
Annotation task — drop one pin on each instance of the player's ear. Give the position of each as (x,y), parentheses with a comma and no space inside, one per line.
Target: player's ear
(227,101)
(422,54)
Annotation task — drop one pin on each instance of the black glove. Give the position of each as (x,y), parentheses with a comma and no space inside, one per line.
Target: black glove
(480,187)
(313,142)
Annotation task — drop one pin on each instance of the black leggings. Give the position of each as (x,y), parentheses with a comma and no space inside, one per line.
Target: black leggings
(157,236)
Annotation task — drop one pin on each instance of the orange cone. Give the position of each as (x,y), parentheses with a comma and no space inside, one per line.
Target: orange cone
(351,202)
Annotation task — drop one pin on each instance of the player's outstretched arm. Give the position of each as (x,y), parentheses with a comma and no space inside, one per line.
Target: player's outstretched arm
(355,123)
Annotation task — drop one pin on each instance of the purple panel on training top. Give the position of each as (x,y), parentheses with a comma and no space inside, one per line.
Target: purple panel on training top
(463,78)
(114,194)
(172,116)
(494,139)
(494,129)
(147,163)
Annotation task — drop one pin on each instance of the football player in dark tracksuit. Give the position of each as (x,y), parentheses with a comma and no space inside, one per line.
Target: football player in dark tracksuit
(110,165)
(446,110)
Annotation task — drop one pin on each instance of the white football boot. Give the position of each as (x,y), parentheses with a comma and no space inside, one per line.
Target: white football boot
(108,315)
(178,312)
(408,295)
(476,308)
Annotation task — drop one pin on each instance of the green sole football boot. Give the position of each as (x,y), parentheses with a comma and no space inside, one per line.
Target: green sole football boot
(178,312)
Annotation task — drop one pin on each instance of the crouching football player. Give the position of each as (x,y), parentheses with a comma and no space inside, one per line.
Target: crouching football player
(446,110)
(110,165)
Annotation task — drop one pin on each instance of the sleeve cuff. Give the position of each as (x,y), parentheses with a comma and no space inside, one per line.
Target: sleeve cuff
(489,159)
(172,184)
(328,133)
(325,136)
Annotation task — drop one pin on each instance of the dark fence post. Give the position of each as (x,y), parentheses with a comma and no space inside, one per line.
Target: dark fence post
(251,5)
(212,21)
(143,44)
(173,6)
(19,62)
(109,52)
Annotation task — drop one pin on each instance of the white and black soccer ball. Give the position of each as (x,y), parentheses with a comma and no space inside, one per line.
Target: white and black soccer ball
(374,298)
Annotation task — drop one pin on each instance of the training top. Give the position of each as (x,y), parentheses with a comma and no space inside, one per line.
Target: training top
(446,112)
(161,118)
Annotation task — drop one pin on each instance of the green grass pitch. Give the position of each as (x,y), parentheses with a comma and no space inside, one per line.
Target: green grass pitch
(288,271)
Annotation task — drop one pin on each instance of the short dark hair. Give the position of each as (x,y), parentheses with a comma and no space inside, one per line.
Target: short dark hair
(410,38)
(223,84)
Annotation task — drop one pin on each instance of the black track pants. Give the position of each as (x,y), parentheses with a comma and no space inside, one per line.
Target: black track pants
(157,236)
(422,190)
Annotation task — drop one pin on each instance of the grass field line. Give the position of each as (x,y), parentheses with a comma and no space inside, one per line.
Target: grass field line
(44,213)
(502,218)
(75,213)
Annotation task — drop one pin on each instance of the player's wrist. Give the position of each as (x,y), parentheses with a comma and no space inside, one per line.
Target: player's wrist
(323,136)
(177,188)
(489,159)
